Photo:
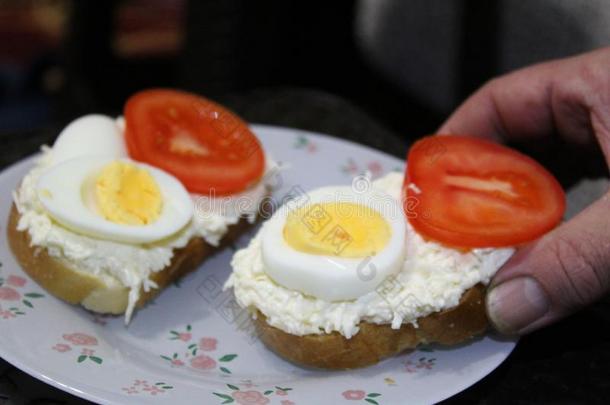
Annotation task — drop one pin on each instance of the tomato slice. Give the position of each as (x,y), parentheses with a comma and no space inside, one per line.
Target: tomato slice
(467,192)
(203,144)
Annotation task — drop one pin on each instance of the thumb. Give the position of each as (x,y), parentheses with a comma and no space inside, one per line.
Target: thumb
(548,279)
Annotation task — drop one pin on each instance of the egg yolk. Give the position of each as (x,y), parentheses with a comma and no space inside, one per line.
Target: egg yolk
(337,229)
(127,194)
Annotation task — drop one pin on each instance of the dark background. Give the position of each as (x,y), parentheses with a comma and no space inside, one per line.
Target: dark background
(315,65)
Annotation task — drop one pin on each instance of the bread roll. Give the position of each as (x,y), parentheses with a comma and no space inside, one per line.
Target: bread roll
(376,342)
(104,295)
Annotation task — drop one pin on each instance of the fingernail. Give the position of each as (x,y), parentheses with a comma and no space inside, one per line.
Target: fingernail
(515,304)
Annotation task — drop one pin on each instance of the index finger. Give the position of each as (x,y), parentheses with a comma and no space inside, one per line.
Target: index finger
(552,97)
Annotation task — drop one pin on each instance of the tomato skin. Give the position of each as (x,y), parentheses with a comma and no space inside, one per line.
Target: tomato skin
(206,146)
(475,193)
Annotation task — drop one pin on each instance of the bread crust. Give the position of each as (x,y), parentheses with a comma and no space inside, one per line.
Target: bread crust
(63,280)
(375,342)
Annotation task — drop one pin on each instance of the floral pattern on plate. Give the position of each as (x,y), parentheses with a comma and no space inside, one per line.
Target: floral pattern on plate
(352,168)
(80,339)
(193,355)
(143,387)
(360,395)
(249,396)
(421,364)
(14,298)
(305,143)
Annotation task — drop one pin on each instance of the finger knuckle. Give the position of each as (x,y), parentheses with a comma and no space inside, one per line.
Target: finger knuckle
(593,81)
(583,272)
(494,83)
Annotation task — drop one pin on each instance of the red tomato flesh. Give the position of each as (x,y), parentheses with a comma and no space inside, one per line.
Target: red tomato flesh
(207,147)
(476,193)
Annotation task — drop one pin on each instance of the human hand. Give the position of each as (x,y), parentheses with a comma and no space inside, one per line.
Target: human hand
(569,267)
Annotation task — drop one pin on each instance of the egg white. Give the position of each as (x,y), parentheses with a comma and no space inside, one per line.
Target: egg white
(328,277)
(62,192)
(92,134)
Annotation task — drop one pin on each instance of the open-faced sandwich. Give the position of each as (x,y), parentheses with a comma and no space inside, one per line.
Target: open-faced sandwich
(346,276)
(119,208)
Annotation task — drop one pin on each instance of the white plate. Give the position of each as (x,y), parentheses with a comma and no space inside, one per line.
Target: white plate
(194,345)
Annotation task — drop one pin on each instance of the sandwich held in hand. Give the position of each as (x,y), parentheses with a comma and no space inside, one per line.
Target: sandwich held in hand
(342,278)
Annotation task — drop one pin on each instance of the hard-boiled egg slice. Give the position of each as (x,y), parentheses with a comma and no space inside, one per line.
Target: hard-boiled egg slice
(335,243)
(92,134)
(119,200)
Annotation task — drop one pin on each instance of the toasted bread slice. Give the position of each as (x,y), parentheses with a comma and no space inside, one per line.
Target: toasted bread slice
(103,295)
(376,342)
